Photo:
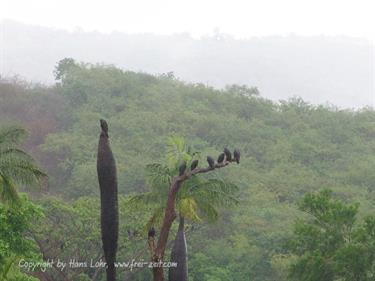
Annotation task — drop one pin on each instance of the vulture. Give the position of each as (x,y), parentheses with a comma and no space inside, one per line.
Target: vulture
(237,156)
(104,126)
(220,159)
(194,164)
(151,232)
(228,154)
(211,162)
(182,169)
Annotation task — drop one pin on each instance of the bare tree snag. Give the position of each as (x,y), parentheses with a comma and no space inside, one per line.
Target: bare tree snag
(107,176)
(179,255)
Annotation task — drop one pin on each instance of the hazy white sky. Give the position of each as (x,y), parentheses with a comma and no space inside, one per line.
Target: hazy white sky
(200,17)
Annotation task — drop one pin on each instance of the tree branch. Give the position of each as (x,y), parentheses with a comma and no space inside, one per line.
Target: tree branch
(170,214)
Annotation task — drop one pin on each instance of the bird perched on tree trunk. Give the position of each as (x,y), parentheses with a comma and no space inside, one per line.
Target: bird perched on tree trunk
(107,176)
(221,157)
(194,164)
(211,162)
(151,232)
(228,155)
(151,240)
(237,156)
(104,126)
(182,169)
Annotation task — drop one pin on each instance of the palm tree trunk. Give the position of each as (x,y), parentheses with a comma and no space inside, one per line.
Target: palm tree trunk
(179,255)
(106,168)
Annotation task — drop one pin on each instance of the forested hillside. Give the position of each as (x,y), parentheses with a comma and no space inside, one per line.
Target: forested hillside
(288,149)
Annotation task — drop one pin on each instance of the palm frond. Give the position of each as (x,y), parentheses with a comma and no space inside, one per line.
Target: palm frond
(209,195)
(177,152)
(208,211)
(158,176)
(8,192)
(217,192)
(147,198)
(188,208)
(21,171)
(16,166)
(12,152)
(6,268)
(156,218)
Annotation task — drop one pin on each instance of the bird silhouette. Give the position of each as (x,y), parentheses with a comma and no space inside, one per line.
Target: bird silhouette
(104,126)
(182,168)
(228,154)
(151,232)
(221,157)
(194,164)
(237,156)
(211,162)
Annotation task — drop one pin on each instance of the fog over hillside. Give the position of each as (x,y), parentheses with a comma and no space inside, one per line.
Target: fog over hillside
(338,70)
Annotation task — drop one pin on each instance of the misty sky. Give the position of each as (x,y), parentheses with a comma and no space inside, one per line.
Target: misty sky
(242,19)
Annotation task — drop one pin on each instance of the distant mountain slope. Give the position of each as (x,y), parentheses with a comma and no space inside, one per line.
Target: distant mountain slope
(338,70)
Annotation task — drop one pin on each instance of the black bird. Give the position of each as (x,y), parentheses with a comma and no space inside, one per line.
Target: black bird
(211,162)
(220,159)
(182,169)
(237,155)
(151,232)
(104,126)
(228,154)
(194,164)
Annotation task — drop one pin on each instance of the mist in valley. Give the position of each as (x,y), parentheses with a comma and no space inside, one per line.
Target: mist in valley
(335,70)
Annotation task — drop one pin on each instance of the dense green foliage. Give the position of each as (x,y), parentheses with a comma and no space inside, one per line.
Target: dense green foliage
(288,149)
(16,243)
(16,166)
(328,245)
(71,231)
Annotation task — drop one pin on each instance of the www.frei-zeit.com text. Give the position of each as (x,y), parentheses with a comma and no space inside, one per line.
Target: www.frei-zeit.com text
(73,263)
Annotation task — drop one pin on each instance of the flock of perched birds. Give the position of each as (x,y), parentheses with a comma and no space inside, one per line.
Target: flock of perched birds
(226,156)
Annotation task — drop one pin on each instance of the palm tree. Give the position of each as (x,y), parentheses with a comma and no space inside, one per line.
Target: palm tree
(197,199)
(16,166)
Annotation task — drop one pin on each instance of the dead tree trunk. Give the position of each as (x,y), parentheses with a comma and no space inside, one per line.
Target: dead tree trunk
(179,255)
(106,168)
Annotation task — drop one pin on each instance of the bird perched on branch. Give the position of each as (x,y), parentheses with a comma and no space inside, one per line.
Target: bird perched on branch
(151,232)
(194,164)
(221,157)
(211,162)
(237,156)
(182,169)
(104,126)
(151,240)
(228,155)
